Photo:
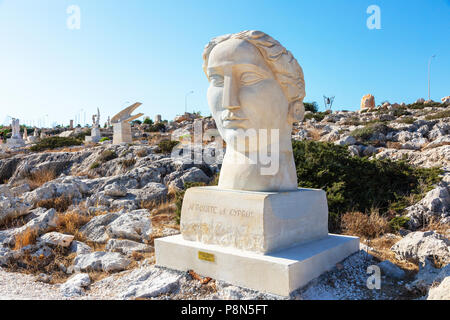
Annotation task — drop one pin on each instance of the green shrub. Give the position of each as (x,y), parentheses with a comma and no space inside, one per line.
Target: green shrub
(55,142)
(319,116)
(438,115)
(148,121)
(353,183)
(366,132)
(158,127)
(166,146)
(107,155)
(419,106)
(311,106)
(398,223)
(407,120)
(104,139)
(95,165)
(401,112)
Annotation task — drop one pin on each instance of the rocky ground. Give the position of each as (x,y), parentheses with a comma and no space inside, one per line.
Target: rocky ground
(79,223)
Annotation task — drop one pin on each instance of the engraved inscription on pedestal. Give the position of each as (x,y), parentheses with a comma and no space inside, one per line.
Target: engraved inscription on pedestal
(253,221)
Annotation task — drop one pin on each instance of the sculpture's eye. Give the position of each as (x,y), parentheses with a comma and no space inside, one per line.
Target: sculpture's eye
(216,80)
(250,78)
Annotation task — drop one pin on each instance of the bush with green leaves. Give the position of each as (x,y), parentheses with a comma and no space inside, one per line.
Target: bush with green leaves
(166,146)
(318,116)
(366,132)
(357,184)
(157,127)
(104,139)
(311,106)
(55,142)
(107,155)
(398,223)
(439,115)
(148,121)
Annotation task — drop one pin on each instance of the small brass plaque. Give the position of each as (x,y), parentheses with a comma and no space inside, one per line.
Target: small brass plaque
(206,256)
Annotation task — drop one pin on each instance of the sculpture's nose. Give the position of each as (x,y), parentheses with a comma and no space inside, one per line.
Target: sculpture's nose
(230,92)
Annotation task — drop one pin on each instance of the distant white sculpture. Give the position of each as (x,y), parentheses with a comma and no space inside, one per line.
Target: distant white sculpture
(16,139)
(158,118)
(95,132)
(122,126)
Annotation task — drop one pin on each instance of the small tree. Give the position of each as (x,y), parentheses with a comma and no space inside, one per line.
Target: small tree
(311,106)
(148,121)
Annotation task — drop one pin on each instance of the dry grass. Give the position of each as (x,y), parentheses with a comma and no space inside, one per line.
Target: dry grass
(314,134)
(25,238)
(60,204)
(12,223)
(440,144)
(69,149)
(367,226)
(38,178)
(382,251)
(393,145)
(435,225)
(70,223)
(141,153)
(50,265)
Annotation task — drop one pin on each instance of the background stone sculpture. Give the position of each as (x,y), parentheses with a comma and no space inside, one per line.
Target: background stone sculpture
(122,126)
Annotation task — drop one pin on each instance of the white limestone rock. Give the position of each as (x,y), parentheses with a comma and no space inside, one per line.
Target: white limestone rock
(418,246)
(440,292)
(42,222)
(135,225)
(95,230)
(127,247)
(346,141)
(100,261)
(115,190)
(152,283)
(75,285)
(436,203)
(11,208)
(80,247)
(56,239)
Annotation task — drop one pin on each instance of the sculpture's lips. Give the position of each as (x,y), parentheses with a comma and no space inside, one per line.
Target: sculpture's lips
(233,118)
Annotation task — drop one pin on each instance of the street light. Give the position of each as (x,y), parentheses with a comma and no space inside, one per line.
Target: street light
(185,100)
(429,72)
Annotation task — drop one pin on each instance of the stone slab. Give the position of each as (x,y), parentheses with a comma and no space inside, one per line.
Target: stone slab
(278,273)
(122,133)
(254,221)
(15,142)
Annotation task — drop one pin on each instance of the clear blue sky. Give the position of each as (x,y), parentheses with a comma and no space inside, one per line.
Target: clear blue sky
(150,51)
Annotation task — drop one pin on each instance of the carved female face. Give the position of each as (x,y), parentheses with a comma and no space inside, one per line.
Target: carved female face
(243,92)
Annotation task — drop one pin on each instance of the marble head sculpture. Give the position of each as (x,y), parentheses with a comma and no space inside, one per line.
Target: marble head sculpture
(255,83)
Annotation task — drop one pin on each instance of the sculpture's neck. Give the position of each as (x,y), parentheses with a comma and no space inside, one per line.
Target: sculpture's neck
(268,168)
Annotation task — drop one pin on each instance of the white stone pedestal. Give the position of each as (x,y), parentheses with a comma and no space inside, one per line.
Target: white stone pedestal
(15,142)
(95,135)
(278,273)
(122,133)
(254,221)
(274,242)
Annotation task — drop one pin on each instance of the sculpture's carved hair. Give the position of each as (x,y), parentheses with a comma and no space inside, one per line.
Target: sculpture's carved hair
(282,63)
